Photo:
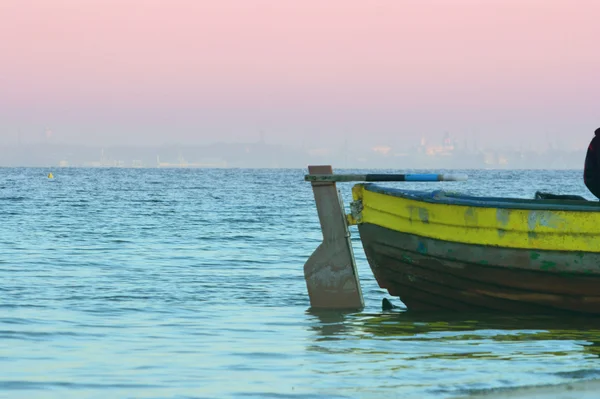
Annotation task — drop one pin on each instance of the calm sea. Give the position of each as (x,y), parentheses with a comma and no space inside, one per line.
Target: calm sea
(157,283)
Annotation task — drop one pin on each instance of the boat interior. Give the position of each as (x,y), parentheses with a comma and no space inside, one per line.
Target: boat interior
(541,201)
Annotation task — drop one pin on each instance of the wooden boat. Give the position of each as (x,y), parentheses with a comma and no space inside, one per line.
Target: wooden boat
(445,251)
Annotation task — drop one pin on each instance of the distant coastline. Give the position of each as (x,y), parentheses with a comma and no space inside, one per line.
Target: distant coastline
(264,155)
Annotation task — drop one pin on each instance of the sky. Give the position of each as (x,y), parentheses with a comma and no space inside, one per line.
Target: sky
(312,72)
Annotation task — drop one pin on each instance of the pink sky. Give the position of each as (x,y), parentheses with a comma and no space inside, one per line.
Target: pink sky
(387,72)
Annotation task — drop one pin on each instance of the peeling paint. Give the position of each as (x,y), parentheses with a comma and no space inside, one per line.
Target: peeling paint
(547,265)
(331,277)
(470,216)
(418,213)
(356,208)
(542,219)
(532,235)
(424,215)
(502,216)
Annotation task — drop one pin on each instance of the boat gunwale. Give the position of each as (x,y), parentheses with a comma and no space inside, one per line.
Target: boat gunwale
(454,198)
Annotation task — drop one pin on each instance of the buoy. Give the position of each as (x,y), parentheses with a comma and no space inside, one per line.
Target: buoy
(50,176)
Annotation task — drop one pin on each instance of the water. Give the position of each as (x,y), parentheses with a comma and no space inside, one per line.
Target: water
(189,284)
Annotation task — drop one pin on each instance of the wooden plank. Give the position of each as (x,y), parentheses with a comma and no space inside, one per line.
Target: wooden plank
(560,263)
(412,271)
(532,281)
(330,272)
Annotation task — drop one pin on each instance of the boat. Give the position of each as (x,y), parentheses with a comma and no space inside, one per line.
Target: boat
(446,251)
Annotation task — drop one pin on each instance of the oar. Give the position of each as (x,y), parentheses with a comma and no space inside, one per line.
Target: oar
(416,177)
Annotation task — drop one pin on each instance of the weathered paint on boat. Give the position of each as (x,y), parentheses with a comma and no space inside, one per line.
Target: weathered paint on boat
(441,251)
(501,222)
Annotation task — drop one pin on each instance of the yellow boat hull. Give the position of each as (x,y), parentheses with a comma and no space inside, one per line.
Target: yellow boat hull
(540,229)
(443,251)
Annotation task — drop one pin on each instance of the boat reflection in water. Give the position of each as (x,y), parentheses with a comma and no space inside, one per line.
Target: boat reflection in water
(460,353)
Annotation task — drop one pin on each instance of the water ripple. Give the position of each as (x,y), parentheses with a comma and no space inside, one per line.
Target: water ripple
(189,283)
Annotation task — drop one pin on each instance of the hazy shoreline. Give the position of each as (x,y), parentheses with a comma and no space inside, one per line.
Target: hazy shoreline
(264,155)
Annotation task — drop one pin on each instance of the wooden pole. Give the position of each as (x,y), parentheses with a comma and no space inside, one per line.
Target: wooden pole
(415,177)
(330,272)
